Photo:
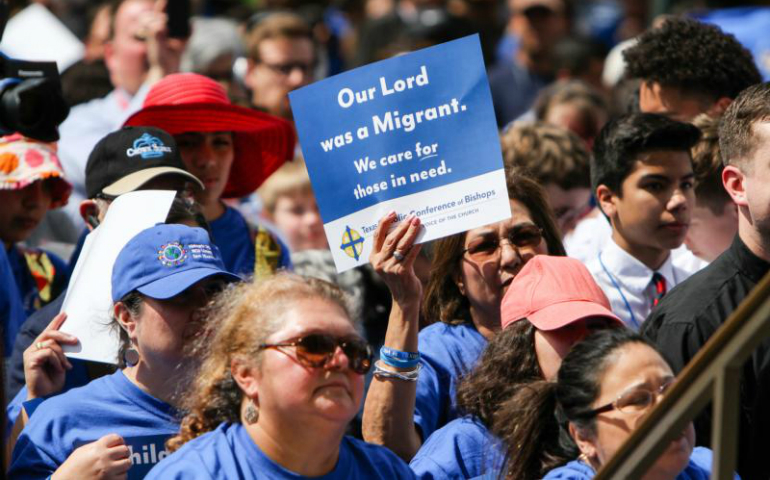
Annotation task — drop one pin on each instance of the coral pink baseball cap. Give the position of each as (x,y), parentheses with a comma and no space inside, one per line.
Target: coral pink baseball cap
(189,102)
(552,292)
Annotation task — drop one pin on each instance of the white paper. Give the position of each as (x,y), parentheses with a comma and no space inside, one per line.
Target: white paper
(89,297)
(36,34)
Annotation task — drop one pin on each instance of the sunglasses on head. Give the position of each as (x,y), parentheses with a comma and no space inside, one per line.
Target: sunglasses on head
(317,349)
(527,235)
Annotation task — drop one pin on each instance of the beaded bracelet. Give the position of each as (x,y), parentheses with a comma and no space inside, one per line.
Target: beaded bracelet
(399,359)
(410,376)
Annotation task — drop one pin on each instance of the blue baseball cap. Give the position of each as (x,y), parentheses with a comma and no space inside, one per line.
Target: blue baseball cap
(165,260)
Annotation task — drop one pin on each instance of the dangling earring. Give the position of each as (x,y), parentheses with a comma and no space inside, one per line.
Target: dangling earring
(251,415)
(131,357)
(584,458)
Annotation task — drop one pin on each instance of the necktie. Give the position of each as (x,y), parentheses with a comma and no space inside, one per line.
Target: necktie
(660,288)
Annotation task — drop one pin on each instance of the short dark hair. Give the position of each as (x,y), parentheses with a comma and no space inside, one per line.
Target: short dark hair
(623,139)
(707,166)
(737,140)
(693,57)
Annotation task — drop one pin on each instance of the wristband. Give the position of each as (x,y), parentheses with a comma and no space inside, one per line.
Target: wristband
(399,359)
(410,376)
(399,354)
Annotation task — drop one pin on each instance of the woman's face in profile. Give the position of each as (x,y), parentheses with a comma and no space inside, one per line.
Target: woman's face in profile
(291,392)
(634,381)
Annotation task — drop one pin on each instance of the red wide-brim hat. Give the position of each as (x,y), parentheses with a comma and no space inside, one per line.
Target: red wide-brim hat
(188,102)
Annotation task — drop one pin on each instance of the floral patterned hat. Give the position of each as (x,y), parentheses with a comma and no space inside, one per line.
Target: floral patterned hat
(24,161)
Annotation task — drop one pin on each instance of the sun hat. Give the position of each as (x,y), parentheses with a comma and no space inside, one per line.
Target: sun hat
(24,161)
(552,292)
(165,260)
(188,102)
(126,159)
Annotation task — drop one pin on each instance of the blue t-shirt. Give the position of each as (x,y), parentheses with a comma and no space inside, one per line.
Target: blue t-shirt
(11,310)
(235,240)
(699,468)
(463,448)
(446,352)
(110,404)
(229,452)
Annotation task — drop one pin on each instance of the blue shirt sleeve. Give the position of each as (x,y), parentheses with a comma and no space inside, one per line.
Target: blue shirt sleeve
(463,448)
(431,398)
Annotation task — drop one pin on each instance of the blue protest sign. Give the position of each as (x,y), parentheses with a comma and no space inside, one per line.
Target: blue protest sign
(414,134)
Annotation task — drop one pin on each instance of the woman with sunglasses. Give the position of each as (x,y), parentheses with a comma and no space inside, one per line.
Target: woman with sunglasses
(470,274)
(280,380)
(161,280)
(552,304)
(605,386)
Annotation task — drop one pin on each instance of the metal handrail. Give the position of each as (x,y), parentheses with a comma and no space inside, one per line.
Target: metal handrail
(713,374)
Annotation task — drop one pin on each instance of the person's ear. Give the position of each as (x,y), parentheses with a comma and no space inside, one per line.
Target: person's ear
(125,319)
(458,279)
(734,181)
(606,200)
(719,107)
(246,375)
(585,443)
(89,211)
(109,55)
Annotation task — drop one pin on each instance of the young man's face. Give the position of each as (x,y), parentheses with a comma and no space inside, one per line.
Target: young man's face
(22,210)
(653,211)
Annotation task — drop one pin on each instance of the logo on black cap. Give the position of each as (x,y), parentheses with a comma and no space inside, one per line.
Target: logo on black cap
(148,146)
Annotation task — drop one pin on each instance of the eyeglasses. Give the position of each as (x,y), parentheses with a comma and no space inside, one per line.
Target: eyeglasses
(633,401)
(287,68)
(526,235)
(316,351)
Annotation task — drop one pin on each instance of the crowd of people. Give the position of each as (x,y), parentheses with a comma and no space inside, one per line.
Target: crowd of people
(635,153)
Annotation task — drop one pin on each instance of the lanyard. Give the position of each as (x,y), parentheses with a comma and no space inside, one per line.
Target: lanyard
(620,291)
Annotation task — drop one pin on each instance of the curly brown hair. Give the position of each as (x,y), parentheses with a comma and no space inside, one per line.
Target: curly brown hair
(549,154)
(243,318)
(508,361)
(443,300)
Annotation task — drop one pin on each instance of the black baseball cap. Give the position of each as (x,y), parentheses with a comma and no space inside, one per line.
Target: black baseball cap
(125,160)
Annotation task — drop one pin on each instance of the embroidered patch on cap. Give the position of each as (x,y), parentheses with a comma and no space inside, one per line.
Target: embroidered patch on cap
(148,146)
(201,250)
(172,254)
